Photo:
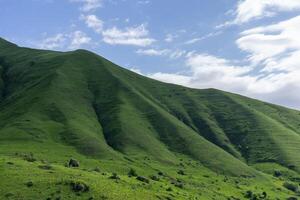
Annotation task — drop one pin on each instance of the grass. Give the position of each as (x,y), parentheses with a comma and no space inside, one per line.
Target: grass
(62,105)
(198,183)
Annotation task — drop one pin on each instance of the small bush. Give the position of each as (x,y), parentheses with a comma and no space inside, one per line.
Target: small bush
(179,185)
(8,195)
(181,172)
(154,178)
(73,163)
(29,184)
(160,173)
(291,186)
(252,196)
(78,186)
(263,195)
(102,197)
(97,169)
(114,176)
(292,167)
(292,198)
(29,157)
(132,172)
(143,179)
(277,173)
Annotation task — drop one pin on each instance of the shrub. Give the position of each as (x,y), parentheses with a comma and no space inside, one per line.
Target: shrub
(291,186)
(132,172)
(29,158)
(102,197)
(29,184)
(292,198)
(143,179)
(263,195)
(277,173)
(73,163)
(97,169)
(252,196)
(292,167)
(114,176)
(154,178)
(181,172)
(78,186)
(160,173)
(8,195)
(179,185)
(248,194)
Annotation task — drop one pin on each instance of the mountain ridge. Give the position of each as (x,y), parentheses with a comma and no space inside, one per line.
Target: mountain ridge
(124,87)
(80,102)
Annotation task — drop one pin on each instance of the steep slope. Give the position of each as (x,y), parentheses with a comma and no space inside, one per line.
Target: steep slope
(82,100)
(58,105)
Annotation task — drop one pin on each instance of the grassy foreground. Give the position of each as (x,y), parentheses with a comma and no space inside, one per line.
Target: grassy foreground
(23,179)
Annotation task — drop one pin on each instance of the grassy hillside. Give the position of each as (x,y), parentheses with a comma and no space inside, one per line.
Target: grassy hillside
(205,143)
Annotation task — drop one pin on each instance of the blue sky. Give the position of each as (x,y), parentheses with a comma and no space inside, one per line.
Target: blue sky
(250,47)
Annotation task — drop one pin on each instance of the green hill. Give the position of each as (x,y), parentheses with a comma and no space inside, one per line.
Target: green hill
(206,144)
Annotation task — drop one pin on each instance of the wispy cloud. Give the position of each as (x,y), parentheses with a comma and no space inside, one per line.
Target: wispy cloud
(136,36)
(197,39)
(54,42)
(271,73)
(153,52)
(267,44)
(170,37)
(77,39)
(205,71)
(62,41)
(89,5)
(251,9)
(93,22)
(247,10)
(171,54)
(143,2)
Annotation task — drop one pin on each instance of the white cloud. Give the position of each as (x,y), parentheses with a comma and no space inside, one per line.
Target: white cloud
(276,48)
(177,53)
(251,9)
(205,71)
(136,70)
(137,36)
(93,22)
(208,71)
(78,39)
(153,52)
(248,10)
(89,5)
(179,79)
(171,54)
(170,38)
(53,42)
(64,41)
(143,2)
(195,40)
(272,73)
(269,44)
